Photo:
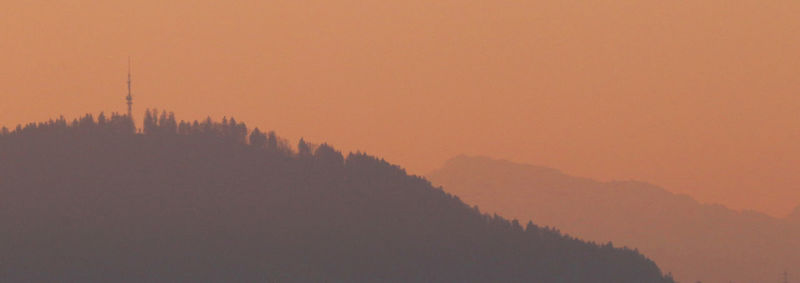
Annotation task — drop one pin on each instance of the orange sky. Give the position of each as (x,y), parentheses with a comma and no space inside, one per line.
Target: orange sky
(702,98)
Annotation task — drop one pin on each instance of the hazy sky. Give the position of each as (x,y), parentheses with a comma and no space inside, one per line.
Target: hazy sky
(701,97)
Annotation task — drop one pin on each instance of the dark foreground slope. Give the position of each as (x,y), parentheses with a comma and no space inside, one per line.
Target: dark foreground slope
(694,241)
(93,201)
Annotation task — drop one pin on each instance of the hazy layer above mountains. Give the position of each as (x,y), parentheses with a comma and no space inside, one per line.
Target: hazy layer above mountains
(694,241)
(698,96)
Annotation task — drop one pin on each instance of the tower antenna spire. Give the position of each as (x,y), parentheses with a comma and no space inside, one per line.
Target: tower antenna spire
(129,98)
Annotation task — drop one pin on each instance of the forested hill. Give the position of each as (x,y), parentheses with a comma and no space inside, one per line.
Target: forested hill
(94,201)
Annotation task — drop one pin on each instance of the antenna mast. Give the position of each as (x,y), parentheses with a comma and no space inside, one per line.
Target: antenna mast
(129,98)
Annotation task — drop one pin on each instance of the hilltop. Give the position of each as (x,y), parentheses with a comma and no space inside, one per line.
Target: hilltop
(98,200)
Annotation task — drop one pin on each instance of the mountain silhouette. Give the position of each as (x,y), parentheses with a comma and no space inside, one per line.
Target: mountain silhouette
(691,240)
(96,200)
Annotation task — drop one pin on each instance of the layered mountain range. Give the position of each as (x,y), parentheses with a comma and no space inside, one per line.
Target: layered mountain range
(692,240)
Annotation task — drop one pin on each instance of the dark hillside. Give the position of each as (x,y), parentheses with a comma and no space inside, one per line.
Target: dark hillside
(94,201)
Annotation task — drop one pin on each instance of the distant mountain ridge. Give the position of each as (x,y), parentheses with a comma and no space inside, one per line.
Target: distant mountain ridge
(691,240)
(95,200)
(794,216)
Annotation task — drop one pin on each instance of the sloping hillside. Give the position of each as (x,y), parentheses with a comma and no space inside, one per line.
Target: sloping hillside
(94,201)
(691,240)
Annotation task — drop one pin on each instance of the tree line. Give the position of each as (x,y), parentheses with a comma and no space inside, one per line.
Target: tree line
(99,200)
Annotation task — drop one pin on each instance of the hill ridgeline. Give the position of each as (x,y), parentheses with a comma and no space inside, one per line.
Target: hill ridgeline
(95,200)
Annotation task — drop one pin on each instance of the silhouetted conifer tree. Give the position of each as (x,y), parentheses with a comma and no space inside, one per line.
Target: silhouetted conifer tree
(302,148)
(272,141)
(101,119)
(328,155)
(149,124)
(258,139)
